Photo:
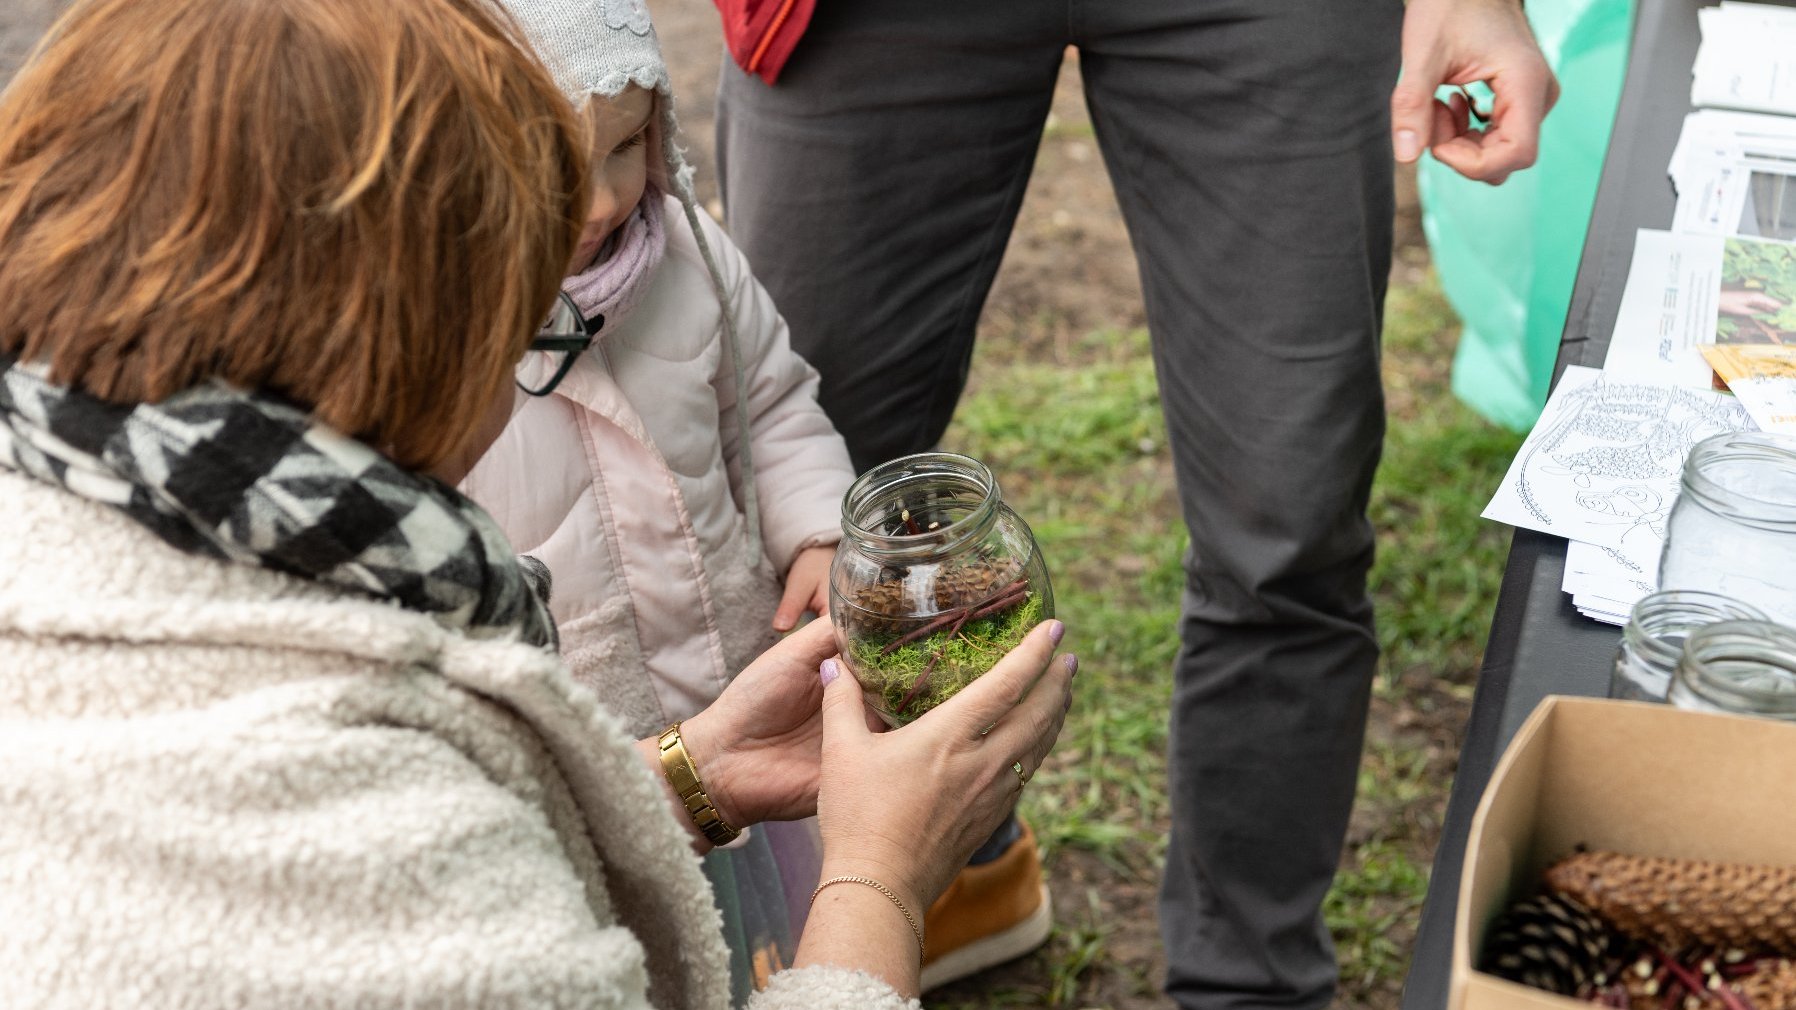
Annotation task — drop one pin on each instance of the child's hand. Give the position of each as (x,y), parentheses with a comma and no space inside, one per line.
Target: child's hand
(807,587)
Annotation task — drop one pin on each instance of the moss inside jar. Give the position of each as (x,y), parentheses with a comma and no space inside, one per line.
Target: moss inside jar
(935,580)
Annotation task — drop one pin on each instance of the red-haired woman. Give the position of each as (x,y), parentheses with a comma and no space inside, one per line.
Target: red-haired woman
(278,721)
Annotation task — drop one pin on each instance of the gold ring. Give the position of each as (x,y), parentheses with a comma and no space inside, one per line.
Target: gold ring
(1022,777)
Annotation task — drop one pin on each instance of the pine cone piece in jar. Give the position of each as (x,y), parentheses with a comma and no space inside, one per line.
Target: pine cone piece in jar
(884,608)
(1678,903)
(1547,941)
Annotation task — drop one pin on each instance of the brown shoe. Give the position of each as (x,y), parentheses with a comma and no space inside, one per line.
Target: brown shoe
(992,913)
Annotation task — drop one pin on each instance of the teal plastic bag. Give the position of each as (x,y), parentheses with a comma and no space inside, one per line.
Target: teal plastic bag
(1507,255)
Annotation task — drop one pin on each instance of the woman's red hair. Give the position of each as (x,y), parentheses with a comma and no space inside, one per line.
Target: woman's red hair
(363,205)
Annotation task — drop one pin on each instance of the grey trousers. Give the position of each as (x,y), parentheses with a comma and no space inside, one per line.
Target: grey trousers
(874,188)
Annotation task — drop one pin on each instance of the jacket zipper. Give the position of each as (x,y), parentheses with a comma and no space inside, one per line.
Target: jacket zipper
(773,28)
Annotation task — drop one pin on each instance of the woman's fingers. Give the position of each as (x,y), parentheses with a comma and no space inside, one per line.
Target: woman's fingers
(844,710)
(808,646)
(986,700)
(1030,730)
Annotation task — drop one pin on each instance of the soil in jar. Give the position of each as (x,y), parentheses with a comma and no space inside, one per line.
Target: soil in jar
(909,664)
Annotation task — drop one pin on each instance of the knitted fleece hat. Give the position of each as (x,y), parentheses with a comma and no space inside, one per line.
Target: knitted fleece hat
(596,49)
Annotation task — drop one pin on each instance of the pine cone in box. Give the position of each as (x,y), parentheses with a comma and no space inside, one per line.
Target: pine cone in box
(1677,903)
(1549,942)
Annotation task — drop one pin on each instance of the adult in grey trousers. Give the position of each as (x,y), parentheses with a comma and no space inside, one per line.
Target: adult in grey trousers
(1250,142)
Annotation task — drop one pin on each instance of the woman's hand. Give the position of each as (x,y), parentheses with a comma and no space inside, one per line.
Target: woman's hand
(807,587)
(908,807)
(756,747)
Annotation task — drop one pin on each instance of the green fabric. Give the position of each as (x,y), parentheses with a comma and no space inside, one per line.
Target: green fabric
(1508,255)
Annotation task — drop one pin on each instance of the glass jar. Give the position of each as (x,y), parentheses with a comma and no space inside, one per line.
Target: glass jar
(1743,667)
(935,579)
(1653,640)
(1733,529)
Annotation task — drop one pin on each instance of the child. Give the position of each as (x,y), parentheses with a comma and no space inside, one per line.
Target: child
(680,471)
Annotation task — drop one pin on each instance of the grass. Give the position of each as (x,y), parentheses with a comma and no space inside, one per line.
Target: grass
(1079,447)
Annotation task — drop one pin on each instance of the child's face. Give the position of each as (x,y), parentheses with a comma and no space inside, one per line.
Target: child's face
(620,160)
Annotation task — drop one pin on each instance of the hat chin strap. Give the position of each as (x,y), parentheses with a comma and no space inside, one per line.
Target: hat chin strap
(681,181)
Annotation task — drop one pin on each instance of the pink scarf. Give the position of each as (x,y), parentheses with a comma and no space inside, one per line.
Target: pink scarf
(617,280)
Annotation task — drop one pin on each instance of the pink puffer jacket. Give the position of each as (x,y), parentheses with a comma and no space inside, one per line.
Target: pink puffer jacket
(619,482)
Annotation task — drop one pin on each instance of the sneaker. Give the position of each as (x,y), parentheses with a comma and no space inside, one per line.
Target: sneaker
(992,913)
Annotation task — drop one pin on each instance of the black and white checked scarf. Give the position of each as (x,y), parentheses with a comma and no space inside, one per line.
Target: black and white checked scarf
(246,478)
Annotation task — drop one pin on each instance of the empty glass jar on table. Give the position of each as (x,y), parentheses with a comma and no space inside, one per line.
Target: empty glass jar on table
(1733,529)
(1742,667)
(1653,641)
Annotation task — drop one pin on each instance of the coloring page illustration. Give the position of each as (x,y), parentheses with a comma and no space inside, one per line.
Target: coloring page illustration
(1603,462)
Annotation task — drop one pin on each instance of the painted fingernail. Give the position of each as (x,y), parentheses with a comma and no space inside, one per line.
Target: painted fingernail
(1072,665)
(828,672)
(1056,632)
(1408,146)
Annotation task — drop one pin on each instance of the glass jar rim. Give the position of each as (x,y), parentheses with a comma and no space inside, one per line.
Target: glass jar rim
(1741,445)
(1762,643)
(1669,611)
(880,486)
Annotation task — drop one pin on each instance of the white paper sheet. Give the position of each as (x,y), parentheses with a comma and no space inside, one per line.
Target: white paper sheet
(1734,173)
(1771,402)
(1607,611)
(1747,59)
(1667,309)
(1602,464)
(1619,574)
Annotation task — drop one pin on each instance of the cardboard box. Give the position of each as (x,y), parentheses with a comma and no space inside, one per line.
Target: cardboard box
(1632,777)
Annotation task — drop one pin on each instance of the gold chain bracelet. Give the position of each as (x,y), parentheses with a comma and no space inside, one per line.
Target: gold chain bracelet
(915,929)
(677,765)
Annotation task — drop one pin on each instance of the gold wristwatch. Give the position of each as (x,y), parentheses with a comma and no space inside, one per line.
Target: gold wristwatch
(677,765)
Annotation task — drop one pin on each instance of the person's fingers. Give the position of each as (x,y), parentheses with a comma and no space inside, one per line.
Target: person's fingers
(986,700)
(1451,118)
(792,604)
(1412,101)
(820,600)
(1412,118)
(1044,746)
(806,647)
(1512,141)
(1029,731)
(796,655)
(844,710)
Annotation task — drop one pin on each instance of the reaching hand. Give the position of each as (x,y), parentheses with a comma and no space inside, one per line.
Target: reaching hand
(807,587)
(757,746)
(1459,42)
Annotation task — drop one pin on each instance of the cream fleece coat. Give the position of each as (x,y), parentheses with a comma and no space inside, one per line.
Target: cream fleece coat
(222,787)
(623,481)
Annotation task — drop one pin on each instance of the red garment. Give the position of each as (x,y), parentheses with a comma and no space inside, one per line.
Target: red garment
(761,34)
